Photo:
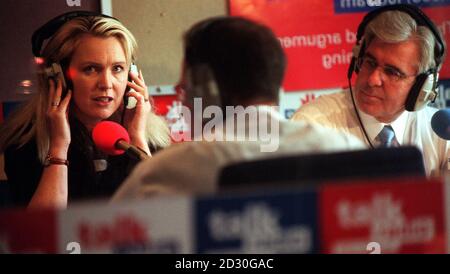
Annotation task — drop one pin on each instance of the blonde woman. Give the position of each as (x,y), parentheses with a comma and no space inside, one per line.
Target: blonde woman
(50,158)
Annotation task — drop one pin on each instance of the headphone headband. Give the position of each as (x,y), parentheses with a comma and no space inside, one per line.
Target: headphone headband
(51,27)
(417,14)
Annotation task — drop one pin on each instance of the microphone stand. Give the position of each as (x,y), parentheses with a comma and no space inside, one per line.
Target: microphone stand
(131,150)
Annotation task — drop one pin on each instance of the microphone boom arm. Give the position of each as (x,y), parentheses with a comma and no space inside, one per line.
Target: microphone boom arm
(131,150)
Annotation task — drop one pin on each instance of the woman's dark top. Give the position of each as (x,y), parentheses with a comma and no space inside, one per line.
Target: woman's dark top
(85,180)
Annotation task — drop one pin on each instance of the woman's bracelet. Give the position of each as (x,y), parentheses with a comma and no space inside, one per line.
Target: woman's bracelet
(50,160)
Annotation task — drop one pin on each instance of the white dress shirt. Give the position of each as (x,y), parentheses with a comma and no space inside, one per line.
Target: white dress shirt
(411,128)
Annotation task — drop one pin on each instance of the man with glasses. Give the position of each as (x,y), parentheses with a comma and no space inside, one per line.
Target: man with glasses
(386,106)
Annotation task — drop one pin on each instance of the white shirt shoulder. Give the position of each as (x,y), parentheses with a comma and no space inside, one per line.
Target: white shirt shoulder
(325,108)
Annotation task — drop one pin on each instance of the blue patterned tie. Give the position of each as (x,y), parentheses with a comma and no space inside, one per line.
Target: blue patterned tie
(386,137)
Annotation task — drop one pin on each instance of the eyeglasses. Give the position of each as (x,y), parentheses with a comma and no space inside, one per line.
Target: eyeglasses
(369,64)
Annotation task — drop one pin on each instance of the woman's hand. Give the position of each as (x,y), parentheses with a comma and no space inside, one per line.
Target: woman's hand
(52,191)
(136,118)
(57,117)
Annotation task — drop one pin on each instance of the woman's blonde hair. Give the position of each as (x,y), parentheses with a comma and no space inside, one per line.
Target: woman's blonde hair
(30,120)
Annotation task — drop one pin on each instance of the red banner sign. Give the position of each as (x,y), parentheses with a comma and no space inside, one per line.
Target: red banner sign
(394,216)
(318,36)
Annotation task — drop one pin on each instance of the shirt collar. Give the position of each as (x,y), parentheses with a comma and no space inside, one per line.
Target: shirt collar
(373,126)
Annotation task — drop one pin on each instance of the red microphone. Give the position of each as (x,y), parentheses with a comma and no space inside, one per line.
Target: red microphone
(113,139)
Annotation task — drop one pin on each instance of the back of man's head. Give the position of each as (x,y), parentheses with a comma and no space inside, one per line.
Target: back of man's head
(246,59)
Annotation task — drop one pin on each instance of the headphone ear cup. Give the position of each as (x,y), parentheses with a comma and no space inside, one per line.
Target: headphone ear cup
(422,92)
(55,71)
(130,102)
(203,85)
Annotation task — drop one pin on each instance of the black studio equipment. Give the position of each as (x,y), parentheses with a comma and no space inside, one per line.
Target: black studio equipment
(313,169)
(424,89)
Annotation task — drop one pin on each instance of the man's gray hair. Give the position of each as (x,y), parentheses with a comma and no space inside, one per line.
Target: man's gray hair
(398,26)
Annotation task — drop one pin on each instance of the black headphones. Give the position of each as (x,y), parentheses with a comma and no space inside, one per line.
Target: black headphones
(60,69)
(47,31)
(424,88)
(51,27)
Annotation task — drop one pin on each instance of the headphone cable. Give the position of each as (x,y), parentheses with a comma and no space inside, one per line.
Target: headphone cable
(363,129)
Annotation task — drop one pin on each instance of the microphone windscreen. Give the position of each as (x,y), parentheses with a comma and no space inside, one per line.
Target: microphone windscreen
(440,123)
(106,134)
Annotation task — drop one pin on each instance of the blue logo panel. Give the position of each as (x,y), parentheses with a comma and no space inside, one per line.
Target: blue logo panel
(275,223)
(349,6)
